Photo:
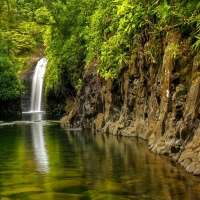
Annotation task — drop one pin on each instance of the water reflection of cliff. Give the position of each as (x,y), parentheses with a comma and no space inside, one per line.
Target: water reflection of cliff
(140,173)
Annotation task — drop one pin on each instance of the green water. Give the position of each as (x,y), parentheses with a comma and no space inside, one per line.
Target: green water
(39,160)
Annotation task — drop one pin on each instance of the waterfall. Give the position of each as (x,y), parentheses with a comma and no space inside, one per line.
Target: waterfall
(37,85)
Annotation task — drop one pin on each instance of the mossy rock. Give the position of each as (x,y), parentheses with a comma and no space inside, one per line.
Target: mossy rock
(196,63)
(186,74)
(195,75)
(196,67)
(69,105)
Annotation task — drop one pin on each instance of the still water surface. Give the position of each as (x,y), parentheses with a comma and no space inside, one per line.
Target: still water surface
(39,160)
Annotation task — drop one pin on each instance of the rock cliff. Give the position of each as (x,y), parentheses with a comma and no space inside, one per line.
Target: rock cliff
(156,97)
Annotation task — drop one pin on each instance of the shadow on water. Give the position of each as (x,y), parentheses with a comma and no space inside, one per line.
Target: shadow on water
(30,116)
(41,160)
(38,116)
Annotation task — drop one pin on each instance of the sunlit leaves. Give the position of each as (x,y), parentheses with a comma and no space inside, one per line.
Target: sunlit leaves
(173,49)
(110,34)
(43,16)
(162,12)
(112,57)
(196,45)
(21,41)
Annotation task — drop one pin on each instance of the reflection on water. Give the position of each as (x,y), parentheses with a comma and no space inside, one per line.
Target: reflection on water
(38,140)
(43,161)
(39,147)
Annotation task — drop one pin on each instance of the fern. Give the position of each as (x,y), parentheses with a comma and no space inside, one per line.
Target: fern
(196,45)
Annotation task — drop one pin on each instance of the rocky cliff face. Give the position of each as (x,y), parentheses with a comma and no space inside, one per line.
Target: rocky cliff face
(26,92)
(156,97)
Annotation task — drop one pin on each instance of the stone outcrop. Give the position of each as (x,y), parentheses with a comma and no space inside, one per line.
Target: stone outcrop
(156,97)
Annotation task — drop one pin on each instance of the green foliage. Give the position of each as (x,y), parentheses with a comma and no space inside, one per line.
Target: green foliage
(79,83)
(162,12)
(110,34)
(65,45)
(112,57)
(9,83)
(19,29)
(43,16)
(173,49)
(196,45)
(132,17)
(94,35)
(21,41)
(80,32)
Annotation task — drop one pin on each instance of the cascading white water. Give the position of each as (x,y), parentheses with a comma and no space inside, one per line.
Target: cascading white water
(37,85)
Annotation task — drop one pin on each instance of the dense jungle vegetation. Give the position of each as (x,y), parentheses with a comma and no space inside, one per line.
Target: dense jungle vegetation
(76,33)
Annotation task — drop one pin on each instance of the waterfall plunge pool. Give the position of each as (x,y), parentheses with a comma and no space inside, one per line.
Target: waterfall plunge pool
(41,160)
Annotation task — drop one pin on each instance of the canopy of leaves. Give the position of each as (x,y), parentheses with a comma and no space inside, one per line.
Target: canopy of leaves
(77,32)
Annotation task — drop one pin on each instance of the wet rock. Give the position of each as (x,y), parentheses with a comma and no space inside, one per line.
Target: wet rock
(191,168)
(186,162)
(197,171)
